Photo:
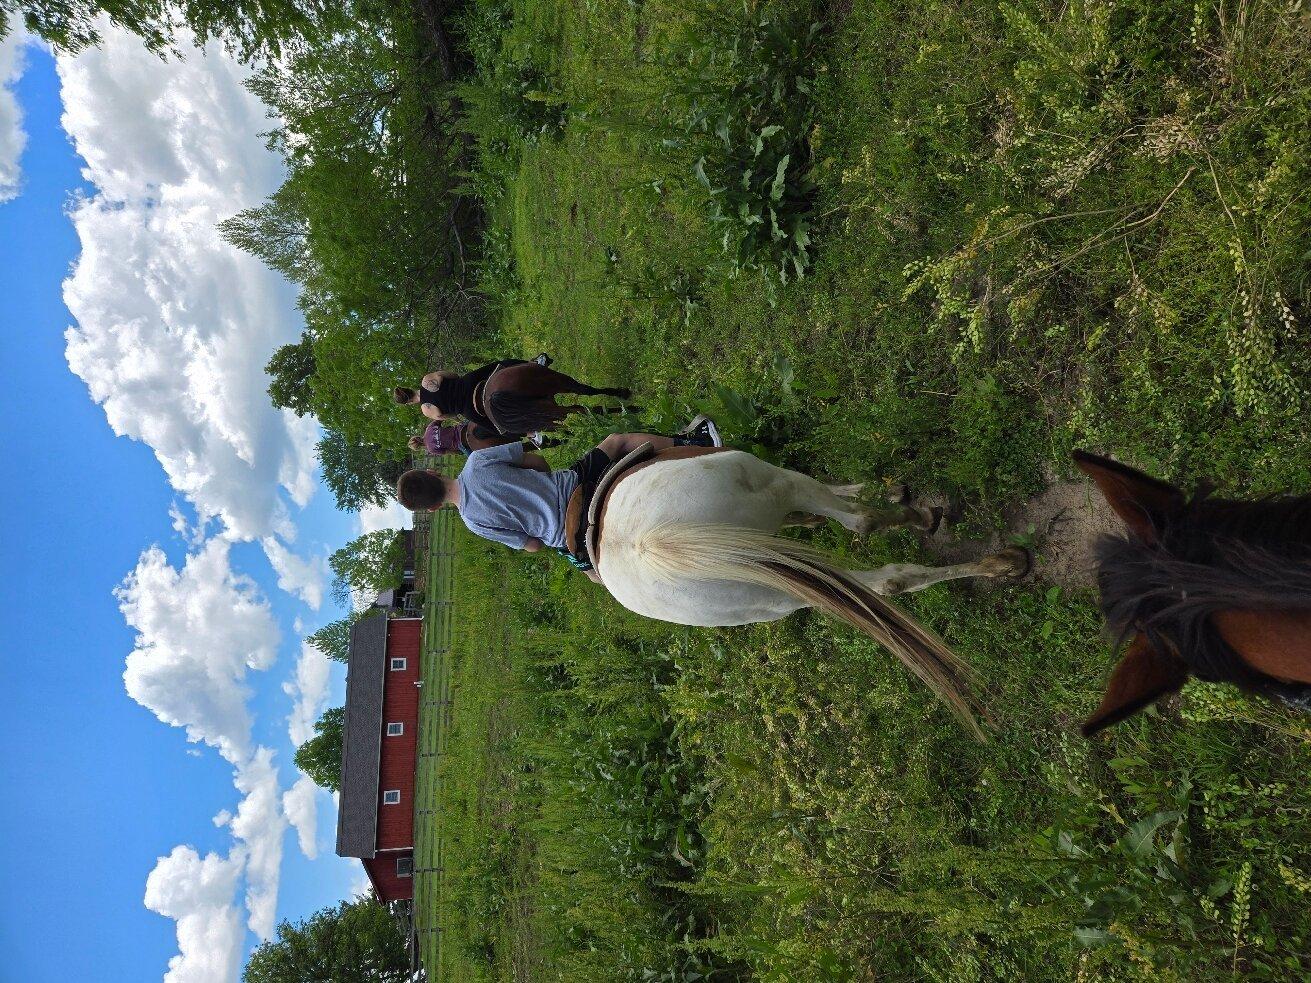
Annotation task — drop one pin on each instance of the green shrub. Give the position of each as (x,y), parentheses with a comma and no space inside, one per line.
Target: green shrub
(744,99)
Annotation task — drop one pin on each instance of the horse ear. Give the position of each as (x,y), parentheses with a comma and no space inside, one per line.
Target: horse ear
(1139,499)
(1143,676)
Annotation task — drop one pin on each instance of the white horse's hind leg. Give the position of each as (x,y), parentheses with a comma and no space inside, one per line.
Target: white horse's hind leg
(846,491)
(905,578)
(809,495)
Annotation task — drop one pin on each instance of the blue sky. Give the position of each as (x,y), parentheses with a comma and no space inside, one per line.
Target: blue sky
(98,786)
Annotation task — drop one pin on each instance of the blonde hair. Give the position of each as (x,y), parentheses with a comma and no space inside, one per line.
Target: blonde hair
(416,442)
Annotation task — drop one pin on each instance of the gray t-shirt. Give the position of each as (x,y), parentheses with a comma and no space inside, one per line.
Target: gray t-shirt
(503,502)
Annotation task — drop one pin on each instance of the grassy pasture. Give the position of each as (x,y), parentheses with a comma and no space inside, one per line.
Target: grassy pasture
(1031,227)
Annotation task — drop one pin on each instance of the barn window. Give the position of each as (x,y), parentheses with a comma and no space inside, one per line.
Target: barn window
(398,664)
(391,797)
(395,730)
(404,866)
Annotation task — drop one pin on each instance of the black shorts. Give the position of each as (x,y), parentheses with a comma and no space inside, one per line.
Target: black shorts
(590,468)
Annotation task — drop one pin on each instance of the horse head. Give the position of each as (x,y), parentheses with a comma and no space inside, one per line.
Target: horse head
(1215,589)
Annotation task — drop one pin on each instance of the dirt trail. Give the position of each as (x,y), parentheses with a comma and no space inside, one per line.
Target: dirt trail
(1067,518)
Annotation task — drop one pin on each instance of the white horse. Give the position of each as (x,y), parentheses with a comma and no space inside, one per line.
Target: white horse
(692,541)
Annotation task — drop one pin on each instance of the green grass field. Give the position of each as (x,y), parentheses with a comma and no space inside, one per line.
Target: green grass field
(1033,227)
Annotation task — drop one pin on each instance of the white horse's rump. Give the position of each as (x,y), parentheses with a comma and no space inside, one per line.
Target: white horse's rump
(692,541)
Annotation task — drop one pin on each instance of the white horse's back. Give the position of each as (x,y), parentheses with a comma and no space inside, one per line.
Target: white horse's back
(731,489)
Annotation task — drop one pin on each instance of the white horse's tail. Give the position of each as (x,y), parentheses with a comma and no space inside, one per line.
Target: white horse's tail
(708,551)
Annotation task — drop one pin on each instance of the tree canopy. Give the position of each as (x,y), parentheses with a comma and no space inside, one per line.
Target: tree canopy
(334,639)
(355,942)
(369,563)
(359,474)
(247,28)
(320,756)
(370,223)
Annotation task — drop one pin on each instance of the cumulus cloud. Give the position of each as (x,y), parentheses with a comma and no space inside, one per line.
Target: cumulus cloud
(360,885)
(393,515)
(309,692)
(12,137)
(173,324)
(173,327)
(199,630)
(300,808)
(198,894)
(297,575)
(259,825)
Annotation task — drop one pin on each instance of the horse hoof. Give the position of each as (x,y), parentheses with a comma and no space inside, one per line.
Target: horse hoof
(1014,562)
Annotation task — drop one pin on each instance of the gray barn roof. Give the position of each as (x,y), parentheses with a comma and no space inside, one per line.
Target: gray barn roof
(357,808)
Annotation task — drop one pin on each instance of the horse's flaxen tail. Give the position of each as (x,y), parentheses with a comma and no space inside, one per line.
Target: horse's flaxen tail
(710,551)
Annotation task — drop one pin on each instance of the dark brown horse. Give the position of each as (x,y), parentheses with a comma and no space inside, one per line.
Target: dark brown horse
(521,398)
(509,397)
(1206,587)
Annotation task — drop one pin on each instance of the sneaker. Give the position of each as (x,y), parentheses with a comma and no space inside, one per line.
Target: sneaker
(537,437)
(544,360)
(702,432)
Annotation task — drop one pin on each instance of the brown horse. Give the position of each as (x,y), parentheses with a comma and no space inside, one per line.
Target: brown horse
(521,398)
(510,397)
(1213,588)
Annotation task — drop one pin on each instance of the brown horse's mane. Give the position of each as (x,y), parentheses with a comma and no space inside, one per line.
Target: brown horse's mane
(1211,555)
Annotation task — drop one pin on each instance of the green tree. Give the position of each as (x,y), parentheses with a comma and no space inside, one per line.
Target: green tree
(247,28)
(371,223)
(358,474)
(372,562)
(355,942)
(320,756)
(334,639)
(289,371)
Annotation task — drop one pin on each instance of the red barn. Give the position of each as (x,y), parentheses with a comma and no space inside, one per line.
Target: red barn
(375,814)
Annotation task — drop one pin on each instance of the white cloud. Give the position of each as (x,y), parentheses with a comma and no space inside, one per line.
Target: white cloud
(12,137)
(199,895)
(173,328)
(179,521)
(297,575)
(259,824)
(199,630)
(309,691)
(393,515)
(173,324)
(360,885)
(300,808)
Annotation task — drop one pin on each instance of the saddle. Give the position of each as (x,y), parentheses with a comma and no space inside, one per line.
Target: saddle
(583,508)
(480,392)
(587,517)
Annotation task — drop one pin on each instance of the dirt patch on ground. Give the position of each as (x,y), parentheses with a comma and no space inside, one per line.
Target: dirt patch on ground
(1064,522)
